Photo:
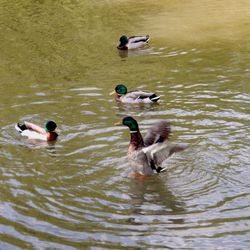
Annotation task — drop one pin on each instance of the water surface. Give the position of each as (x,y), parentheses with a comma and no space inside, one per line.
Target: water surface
(59,61)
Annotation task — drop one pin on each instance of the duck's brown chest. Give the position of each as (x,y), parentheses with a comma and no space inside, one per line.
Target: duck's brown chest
(131,148)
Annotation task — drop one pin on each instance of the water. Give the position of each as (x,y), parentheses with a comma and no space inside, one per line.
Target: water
(59,61)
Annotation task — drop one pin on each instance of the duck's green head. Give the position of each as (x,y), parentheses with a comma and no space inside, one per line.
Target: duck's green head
(121,89)
(131,123)
(50,126)
(123,40)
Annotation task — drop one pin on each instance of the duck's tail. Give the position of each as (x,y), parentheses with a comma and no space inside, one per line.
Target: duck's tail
(20,127)
(154,98)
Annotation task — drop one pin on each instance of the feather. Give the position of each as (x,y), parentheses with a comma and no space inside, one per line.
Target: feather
(19,128)
(139,97)
(140,93)
(137,39)
(34,135)
(159,152)
(158,133)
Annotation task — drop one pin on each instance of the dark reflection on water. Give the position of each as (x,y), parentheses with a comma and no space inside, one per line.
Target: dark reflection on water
(137,52)
(152,196)
(125,108)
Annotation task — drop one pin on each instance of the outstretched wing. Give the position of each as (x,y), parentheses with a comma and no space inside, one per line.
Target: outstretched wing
(158,133)
(165,151)
(159,152)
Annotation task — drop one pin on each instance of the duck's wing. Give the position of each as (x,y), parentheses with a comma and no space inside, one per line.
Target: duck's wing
(158,133)
(137,94)
(140,96)
(137,39)
(135,42)
(24,131)
(159,152)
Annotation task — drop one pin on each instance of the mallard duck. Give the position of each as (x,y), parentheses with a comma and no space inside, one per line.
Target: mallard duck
(33,131)
(146,155)
(136,96)
(132,42)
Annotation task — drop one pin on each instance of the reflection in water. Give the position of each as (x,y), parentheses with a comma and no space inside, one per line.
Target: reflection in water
(137,107)
(151,195)
(136,52)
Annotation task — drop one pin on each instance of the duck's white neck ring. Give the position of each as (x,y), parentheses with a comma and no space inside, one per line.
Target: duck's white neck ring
(131,132)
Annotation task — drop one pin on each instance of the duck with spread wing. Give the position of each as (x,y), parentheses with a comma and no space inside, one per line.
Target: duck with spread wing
(147,155)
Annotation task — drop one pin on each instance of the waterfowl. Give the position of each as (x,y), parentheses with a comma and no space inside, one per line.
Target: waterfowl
(132,42)
(33,131)
(147,155)
(136,96)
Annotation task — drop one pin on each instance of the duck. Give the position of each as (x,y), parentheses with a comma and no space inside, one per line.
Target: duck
(132,42)
(136,96)
(33,131)
(147,154)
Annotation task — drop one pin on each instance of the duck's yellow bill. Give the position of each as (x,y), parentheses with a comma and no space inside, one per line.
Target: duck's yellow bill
(117,123)
(112,93)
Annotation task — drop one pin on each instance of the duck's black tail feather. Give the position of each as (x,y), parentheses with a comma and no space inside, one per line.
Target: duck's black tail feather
(154,98)
(20,127)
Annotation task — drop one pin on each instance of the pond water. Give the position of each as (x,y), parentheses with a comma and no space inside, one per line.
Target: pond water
(59,61)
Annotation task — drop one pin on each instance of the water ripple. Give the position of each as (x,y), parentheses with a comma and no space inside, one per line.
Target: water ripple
(77,192)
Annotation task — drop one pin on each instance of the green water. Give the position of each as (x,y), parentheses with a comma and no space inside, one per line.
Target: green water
(59,61)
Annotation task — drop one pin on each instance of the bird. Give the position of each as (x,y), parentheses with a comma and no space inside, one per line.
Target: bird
(136,96)
(147,154)
(132,42)
(33,131)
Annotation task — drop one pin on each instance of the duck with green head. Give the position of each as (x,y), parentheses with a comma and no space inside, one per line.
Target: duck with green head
(33,131)
(132,42)
(147,154)
(136,96)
